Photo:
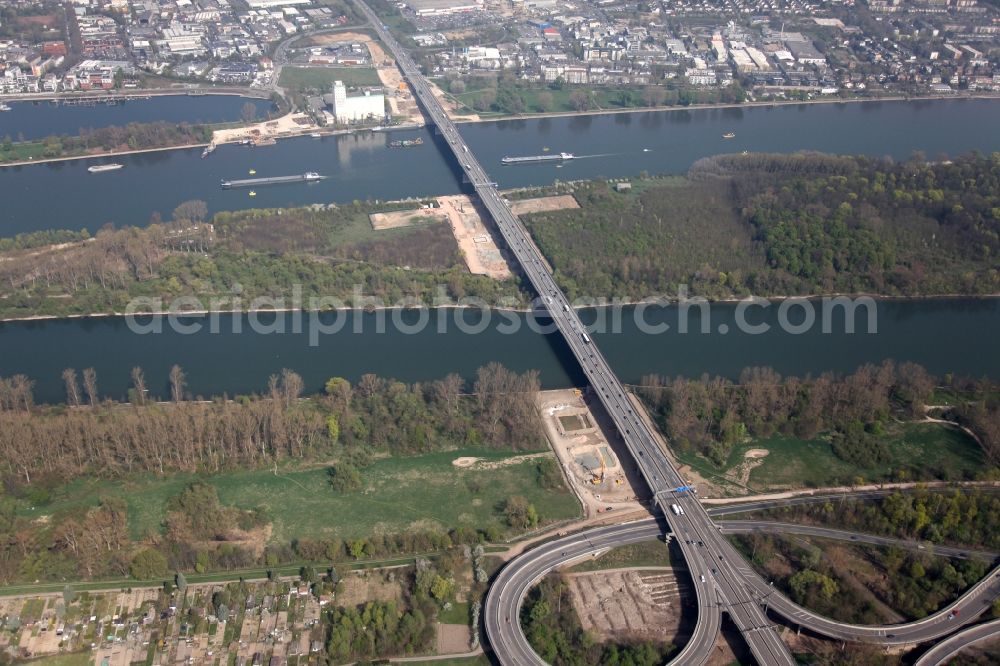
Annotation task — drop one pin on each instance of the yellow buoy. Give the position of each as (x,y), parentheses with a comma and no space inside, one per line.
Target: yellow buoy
(252,193)
(253,171)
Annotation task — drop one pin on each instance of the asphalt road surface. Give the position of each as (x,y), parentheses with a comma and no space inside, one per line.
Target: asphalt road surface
(774,527)
(946,649)
(512,584)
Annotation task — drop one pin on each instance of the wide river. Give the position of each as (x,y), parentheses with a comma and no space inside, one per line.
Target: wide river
(65,195)
(945,335)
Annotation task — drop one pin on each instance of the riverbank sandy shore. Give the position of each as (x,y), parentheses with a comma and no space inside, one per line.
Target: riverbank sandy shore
(493,308)
(255,93)
(92,156)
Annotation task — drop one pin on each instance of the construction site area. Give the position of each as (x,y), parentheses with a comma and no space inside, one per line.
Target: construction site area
(402,105)
(590,460)
(632,604)
(463,214)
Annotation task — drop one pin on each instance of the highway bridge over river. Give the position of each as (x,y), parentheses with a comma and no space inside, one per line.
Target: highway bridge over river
(717,570)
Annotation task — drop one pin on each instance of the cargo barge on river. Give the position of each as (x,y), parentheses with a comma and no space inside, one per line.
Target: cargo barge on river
(307,177)
(557,157)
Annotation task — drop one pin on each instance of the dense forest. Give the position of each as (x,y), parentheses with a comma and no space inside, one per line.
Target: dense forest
(134,136)
(553,628)
(860,584)
(43,448)
(328,251)
(785,225)
(709,416)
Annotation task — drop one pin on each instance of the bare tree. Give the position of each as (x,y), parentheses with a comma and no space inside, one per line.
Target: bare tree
(177,383)
(72,387)
(292,386)
(194,210)
(90,386)
(139,385)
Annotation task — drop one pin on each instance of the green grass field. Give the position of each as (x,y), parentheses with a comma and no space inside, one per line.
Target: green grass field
(322,78)
(921,451)
(358,229)
(457,614)
(479,660)
(399,493)
(652,553)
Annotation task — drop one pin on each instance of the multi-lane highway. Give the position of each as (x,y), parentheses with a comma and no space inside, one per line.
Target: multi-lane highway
(774,527)
(512,584)
(712,561)
(963,610)
(946,649)
(514,581)
(722,580)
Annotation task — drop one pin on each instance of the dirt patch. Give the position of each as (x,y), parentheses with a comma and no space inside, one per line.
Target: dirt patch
(360,587)
(254,540)
(292,124)
(478,248)
(515,460)
(543,204)
(453,638)
(706,486)
(637,604)
(339,37)
(741,473)
(470,461)
(458,35)
(257,539)
(405,218)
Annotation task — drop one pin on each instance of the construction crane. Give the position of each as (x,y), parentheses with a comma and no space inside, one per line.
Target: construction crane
(598,479)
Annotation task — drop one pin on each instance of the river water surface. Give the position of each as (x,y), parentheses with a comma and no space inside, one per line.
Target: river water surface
(945,335)
(362,166)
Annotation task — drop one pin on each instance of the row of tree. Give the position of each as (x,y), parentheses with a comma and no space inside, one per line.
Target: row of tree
(376,415)
(134,136)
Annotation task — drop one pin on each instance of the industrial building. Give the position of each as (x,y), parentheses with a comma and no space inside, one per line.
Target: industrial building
(357,107)
(440,7)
